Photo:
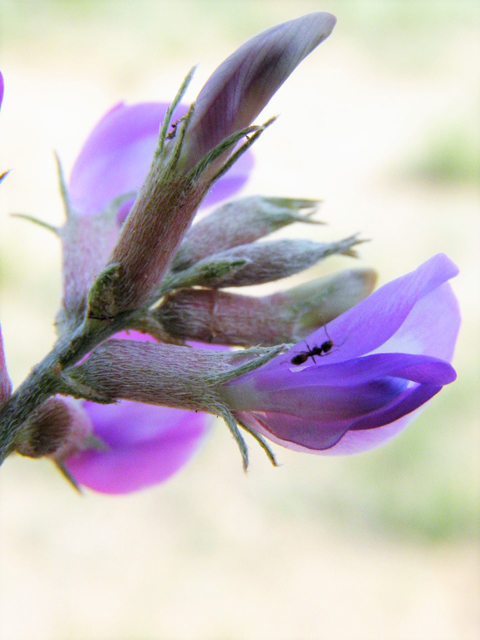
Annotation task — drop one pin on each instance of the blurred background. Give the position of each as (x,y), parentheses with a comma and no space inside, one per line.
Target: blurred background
(382,123)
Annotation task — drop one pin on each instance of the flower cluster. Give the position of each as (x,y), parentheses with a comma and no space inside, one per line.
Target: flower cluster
(145,323)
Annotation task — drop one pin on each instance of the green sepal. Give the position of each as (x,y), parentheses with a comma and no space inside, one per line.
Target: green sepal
(101,297)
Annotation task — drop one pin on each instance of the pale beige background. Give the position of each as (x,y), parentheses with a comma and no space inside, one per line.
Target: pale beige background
(381,122)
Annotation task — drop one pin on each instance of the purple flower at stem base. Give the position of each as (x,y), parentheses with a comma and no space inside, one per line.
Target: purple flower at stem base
(145,444)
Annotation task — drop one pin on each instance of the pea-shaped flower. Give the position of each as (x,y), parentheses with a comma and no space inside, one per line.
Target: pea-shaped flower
(380,362)
(144,444)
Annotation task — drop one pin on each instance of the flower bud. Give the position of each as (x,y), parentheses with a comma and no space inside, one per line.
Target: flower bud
(220,317)
(56,427)
(239,222)
(244,83)
(185,167)
(263,262)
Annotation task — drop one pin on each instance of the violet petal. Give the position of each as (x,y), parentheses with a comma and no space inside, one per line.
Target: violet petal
(147,445)
(2,87)
(417,368)
(244,83)
(375,320)
(5,384)
(317,435)
(117,155)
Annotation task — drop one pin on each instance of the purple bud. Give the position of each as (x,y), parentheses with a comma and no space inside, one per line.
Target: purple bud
(182,172)
(244,83)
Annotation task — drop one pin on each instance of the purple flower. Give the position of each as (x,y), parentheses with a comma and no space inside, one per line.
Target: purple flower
(146,444)
(391,353)
(2,87)
(117,155)
(5,384)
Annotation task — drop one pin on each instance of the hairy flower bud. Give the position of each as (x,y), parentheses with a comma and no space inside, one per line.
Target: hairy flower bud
(185,167)
(240,222)
(259,262)
(244,83)
(56,427)
(220,317)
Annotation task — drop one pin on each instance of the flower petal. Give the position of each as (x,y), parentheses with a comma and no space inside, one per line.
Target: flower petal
(362,441)
(376,319)
(5,384)
(117,155)
(417,368)
(294,433)
(244,83)
(326,404)
(431,327)
(313,435)
(147,445)
(2,86)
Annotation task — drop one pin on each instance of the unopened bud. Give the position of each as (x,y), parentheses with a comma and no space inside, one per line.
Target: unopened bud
(240,222)
(266,261)
(57,426)
(220,317)
(244,83)
(317,302)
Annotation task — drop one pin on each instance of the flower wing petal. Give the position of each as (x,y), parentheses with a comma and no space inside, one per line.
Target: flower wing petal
(117,155)
(5,384)
(315,435)
(146,445)
(244,83)
(376,319)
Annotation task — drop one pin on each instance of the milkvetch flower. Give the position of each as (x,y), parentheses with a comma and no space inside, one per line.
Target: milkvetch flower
(391,353)
(388,356)
(144,444)
(131,262)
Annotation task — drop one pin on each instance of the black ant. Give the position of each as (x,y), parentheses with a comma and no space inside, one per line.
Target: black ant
(303,356)
(321,350)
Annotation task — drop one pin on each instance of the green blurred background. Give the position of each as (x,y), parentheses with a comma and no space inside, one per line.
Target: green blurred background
(382,123)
